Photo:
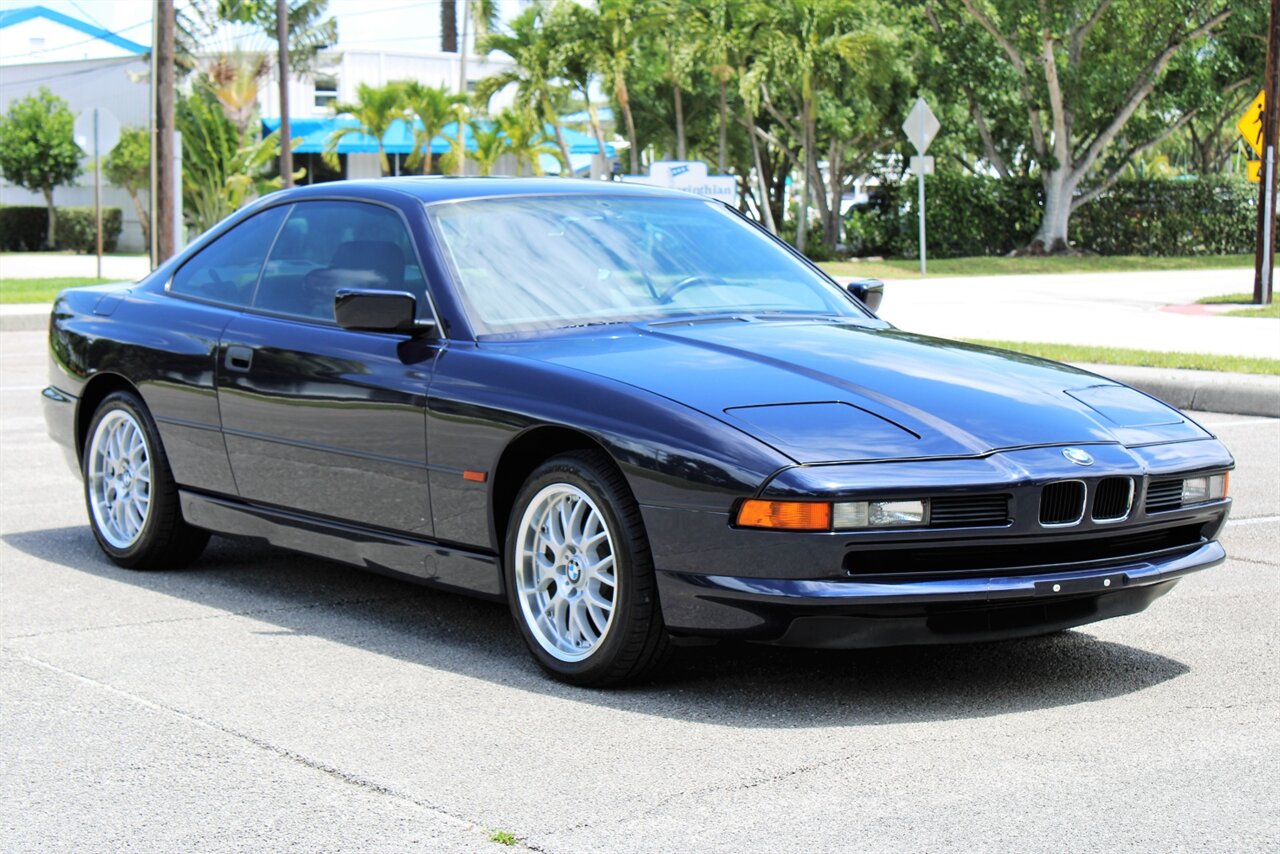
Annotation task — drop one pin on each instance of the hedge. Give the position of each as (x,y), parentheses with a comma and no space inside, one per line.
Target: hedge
(23,229)
(971,215)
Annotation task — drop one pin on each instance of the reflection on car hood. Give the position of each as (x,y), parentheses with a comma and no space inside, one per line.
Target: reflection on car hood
(881,393)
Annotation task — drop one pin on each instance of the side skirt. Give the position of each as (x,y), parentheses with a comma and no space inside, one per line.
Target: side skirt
(419,560)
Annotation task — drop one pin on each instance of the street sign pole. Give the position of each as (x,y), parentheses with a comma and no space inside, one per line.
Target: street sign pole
(920,184)
(920,127)
(1265,251)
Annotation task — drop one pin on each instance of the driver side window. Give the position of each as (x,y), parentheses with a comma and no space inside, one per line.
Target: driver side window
(328,246)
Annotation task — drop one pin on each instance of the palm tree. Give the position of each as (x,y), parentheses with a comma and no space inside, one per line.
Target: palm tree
(618,34)
(375,109)
(454,161)
(527,139)
(434,107)
(575,32)
(536,72)
(490,145)
(808,44)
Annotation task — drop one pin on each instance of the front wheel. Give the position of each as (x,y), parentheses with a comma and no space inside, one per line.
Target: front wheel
(129,490)
(580,579)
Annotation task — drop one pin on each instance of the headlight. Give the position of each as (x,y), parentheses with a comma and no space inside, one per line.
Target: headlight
(1197,490)
(880,514)
(825,516)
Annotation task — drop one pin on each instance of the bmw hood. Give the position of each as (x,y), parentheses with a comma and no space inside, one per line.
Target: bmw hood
(821,391)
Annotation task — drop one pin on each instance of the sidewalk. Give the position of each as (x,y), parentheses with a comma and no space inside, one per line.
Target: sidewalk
(1138,310)
(50,265)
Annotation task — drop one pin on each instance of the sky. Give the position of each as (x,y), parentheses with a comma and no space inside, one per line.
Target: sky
(399,25)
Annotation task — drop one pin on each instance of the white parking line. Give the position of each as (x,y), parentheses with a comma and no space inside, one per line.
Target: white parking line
(1254,520)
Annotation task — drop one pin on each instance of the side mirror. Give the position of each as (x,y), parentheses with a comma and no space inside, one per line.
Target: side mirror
(869,291)
(378,311)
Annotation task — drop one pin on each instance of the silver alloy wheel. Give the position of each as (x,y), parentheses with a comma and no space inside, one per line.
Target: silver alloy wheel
(119,475)
(565,573)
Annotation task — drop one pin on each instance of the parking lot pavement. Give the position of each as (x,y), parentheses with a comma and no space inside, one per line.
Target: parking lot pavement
(262,701)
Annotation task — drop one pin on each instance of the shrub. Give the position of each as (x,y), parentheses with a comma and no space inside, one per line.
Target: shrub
(22,229)
(971,215)
(1199,216)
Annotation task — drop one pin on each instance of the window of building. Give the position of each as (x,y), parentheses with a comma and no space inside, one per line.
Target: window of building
(326,91)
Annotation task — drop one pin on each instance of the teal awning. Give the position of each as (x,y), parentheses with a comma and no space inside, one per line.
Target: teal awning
(398,139)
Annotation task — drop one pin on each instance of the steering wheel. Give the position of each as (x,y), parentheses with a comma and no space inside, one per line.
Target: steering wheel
(697,280)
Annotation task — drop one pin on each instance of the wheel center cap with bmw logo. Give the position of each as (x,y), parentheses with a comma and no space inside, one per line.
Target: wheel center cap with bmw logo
(1078,456)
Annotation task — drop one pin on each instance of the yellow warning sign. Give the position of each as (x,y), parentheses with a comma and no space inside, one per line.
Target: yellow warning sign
(1250,124)
(1255,171)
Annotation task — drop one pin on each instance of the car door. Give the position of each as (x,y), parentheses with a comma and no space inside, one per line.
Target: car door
(320,419)
(204,294)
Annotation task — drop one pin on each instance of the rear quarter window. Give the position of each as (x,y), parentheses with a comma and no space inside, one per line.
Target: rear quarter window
(227,270)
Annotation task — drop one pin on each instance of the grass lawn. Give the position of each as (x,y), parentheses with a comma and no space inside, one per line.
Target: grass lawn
(1250,310)
(1146,358)
(40,290)
(901,268)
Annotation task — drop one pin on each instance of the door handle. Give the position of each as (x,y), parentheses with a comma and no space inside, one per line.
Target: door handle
(239,358)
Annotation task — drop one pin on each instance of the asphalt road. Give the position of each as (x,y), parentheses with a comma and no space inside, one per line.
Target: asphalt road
(261,701)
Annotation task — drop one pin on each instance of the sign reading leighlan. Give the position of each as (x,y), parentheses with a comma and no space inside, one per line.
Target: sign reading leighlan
(690,176)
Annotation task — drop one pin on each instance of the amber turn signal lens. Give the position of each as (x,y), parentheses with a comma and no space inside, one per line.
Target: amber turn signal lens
(792,515)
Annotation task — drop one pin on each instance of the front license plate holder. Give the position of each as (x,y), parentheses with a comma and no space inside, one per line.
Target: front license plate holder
(1094,584)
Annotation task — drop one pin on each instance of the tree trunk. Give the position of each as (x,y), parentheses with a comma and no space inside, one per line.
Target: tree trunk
(765,205)
(143,219)
(1059,187)
(679,124)
(802,219)
(624,101)
(595,122)
(566,170)
(722,161)
(53,218)
(449,26)
(835,186)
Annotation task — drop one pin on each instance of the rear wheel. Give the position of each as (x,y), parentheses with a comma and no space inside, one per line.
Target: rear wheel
(129,490)
(580,579)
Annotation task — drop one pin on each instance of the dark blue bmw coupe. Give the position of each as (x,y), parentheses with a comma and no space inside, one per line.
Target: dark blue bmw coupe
(630,412)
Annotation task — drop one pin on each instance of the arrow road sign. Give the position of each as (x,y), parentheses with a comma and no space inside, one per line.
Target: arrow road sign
(921,126)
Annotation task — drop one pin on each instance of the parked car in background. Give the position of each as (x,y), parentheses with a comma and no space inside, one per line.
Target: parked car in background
(631,413)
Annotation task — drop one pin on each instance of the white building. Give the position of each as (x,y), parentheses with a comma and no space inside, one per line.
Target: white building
(89,67)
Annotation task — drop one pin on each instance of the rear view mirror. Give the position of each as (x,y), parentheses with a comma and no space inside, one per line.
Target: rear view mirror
(377,311)
(869,291)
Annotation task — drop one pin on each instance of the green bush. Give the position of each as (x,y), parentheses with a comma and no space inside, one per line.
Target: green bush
(22,229)
(75,230)
(1198,216)
(970,215)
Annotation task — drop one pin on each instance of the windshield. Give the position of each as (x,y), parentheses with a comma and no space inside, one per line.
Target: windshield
(553,262)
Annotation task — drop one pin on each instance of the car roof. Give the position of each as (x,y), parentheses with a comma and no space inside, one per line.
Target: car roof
(439,188)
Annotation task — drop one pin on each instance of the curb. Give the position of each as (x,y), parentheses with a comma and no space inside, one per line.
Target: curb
(24,317)
(1208,391)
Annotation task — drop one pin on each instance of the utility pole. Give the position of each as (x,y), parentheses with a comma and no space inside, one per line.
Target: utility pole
(163,201)
(282,41)
(1265,247)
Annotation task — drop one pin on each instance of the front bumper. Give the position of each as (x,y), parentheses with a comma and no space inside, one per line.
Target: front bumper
(851,613)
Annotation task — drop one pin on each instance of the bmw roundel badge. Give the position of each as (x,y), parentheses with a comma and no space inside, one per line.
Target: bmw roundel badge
(1078,456)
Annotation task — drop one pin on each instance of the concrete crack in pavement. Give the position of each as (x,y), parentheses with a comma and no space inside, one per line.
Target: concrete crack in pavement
(436,812)
(257,612)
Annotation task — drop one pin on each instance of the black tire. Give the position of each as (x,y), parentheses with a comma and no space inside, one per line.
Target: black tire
(633,642)
(163,539)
